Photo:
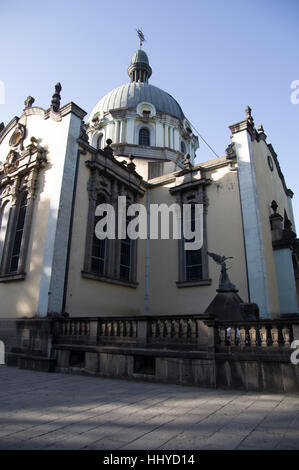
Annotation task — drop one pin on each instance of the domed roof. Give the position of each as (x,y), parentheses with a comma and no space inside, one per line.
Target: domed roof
(131,94)
(140,56)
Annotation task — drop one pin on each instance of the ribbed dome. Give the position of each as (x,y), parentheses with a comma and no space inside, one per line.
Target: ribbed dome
(131,94)
(140,56)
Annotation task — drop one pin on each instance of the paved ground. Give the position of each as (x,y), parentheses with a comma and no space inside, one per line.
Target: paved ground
(58,411)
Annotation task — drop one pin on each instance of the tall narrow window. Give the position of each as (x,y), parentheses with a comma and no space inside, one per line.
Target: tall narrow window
(193,258)
(99,247)
(125,256)
(183,147)
(18,234)
(144,137)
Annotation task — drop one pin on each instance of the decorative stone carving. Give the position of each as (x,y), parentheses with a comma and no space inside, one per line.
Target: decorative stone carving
(1,126)
(55,103)
(224,282)
(12,162)
(83,133)
(29,102)
(18,136)
(231,151)
(108,149)
(187,163)
(131,166)
(97,183)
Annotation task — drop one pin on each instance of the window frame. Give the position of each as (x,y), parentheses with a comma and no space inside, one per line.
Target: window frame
(148,133)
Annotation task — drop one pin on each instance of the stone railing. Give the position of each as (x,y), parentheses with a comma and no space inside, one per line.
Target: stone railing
(191,332)
(184,330)
(255,335)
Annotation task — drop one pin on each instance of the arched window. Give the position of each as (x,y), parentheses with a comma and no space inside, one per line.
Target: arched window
(18,233)
(98,251)
(144,137)
(183,147)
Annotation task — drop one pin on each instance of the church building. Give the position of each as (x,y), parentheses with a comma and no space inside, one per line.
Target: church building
(137,142)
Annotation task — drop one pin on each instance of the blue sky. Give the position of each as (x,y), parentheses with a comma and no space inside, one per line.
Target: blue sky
(215,57)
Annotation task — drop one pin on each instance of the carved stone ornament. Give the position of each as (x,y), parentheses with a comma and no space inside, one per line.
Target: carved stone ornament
(230,151)
(55,103)
(5,191)
(83,133)
(18,137)
(29,102)
(97,183)
(12,162)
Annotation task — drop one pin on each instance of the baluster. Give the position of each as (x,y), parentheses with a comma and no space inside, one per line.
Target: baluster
(274,336)
(242,336)
(121,328)
(286,333)
(108,328)
(124,328)
(134,328)
(176,328)
(185,328)
(252,334)
(263,334)
(87,328)
(232,336)
(192,324)
(156,329)
(162,328)
(168,329)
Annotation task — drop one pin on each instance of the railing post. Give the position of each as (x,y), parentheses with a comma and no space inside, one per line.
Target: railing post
(93,330)
(296,331)
(206,335)
(142,326)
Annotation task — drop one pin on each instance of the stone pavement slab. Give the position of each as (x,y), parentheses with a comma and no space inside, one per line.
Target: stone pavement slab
(41,411)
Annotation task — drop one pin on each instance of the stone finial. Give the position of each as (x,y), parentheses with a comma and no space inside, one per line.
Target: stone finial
(249,117)
(274,206)
(55,103)
(248,112)
(29,102)
(131,166)
(108,149)
(187,163)
(83,133)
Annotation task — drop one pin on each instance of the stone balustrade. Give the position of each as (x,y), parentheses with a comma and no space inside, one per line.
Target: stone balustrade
(197,332)
(260,334)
